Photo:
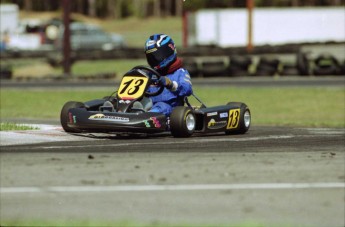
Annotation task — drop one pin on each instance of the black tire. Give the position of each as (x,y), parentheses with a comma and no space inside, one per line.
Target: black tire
(64,118)
(273,62)
(192,67)
(237,72)
(289,70)
(265,71)
(6,72)
(267,67)
(326,64)
(326,71)
(342,67)
(214,68)
(242,62)
(244,125)
(182,122)
(303,65)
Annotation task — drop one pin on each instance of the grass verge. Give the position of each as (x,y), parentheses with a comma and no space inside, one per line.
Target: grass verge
(307,107)
(8,126)
(40,68)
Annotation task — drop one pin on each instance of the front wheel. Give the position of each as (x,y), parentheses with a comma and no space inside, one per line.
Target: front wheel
(182,122)
(64,115)
(244,119)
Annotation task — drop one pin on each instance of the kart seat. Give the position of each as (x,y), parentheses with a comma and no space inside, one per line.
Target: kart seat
(107,107)
(147,103)
(143,106)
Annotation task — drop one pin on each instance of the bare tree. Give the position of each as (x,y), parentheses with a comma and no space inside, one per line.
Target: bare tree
(111,5)
(80,6)
(295,3)
(118,9)
(310,2)
(143,10)
(179,7)
(28,5)
(157,8)
(140,8)
(337,2)
(167,7)
(92,8)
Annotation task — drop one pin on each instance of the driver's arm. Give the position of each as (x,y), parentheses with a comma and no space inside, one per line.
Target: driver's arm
(184,83)
(171,85)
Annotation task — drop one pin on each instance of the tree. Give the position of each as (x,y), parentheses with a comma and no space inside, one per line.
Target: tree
(92,8)
(79,6)
(157,8)
(167,7)
(28,5)
(178,7)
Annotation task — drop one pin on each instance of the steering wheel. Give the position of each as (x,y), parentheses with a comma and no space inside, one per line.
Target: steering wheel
(153,73)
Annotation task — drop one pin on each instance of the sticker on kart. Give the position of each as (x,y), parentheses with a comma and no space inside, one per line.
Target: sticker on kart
(234,118)
(132,87)
(154,121)
(103,117)
(213,124)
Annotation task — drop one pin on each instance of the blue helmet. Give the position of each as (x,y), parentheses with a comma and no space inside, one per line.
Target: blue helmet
(160,51)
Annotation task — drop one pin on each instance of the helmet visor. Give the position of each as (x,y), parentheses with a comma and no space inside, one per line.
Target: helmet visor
(157,57)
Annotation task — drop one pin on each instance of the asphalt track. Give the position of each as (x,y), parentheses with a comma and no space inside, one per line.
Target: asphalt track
(272,176)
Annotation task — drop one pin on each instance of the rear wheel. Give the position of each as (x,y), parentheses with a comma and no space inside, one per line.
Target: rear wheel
(182,122)
(244,120)
(64,116)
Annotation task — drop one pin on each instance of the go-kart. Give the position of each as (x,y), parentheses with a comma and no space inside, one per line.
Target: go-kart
(120,112)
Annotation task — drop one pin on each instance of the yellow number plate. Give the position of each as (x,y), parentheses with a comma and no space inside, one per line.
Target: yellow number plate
(234,118)
(132,87)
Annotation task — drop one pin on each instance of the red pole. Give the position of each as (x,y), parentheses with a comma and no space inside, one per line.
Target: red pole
(185,29)
(250,6)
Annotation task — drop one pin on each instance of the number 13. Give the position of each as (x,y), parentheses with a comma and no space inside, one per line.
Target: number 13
(234,118)
(131,90)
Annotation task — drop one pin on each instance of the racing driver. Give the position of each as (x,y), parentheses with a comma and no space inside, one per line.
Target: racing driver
(161,55)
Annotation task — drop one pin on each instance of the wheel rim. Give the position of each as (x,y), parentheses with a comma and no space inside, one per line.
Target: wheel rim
(190,122)
(247,119)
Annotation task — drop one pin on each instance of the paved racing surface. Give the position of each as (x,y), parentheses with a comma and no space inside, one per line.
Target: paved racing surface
(274,176)
(271,175)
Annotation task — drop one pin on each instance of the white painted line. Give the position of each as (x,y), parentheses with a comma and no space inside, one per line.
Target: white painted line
(326,131)
(138,188)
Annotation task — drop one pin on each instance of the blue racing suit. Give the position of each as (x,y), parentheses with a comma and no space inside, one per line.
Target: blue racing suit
(167,100)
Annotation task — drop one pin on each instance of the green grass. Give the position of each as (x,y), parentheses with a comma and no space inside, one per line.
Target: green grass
(120,67)
(136,30)
(8,126)
(314,107)
(39,68)
(310,107)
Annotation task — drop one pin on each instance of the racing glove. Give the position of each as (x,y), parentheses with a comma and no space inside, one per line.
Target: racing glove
(171,85)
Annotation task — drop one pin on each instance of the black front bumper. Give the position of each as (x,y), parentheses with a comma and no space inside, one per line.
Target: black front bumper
(96,121)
